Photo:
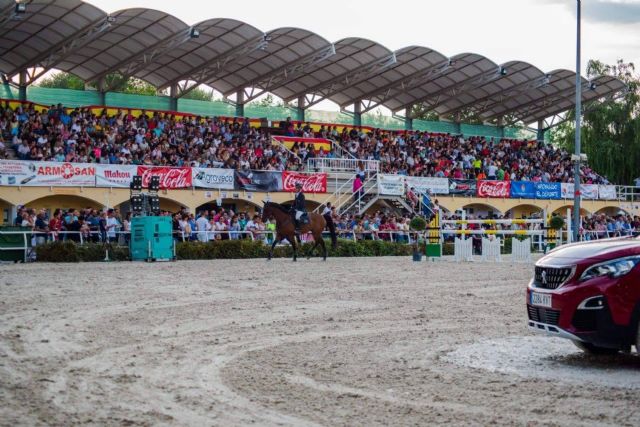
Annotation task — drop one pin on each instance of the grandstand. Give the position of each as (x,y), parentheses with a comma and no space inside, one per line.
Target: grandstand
(301,67)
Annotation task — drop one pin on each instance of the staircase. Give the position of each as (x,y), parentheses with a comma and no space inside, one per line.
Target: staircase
(341,152)
(344,200)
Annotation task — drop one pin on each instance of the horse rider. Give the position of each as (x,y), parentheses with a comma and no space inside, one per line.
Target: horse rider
(299,206)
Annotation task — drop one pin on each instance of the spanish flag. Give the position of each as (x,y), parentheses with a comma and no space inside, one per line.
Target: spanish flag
(318,143)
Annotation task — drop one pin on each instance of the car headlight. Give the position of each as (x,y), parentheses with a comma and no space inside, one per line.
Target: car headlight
(613,268)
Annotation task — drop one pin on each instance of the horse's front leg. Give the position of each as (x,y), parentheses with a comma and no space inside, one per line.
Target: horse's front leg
(273,245)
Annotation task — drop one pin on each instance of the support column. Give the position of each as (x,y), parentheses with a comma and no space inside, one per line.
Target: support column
(300,110)
(22,87)
(501,127)
(101,92)
(357,113)
(408,118)
(541,130)
(456,123)
(240,103)
(13,212)
(173,97)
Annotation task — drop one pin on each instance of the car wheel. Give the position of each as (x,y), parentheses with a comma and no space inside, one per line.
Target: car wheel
(594,349)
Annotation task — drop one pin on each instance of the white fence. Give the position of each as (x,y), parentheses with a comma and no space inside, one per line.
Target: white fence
(491,249)
(463,250)
(329,165)
(521,250)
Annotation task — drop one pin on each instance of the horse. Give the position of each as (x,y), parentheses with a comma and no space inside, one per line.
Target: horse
(285,229)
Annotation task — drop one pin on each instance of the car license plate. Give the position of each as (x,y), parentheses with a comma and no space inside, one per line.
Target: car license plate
(543,300)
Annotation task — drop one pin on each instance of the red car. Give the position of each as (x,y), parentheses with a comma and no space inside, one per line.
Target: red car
(589,293)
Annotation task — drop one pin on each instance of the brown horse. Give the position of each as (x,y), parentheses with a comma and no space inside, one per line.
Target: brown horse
(285,229)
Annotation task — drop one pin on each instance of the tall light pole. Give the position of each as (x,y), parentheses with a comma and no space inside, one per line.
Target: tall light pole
(576,177)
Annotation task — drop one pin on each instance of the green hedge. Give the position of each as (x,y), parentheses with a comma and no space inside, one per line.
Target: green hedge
(222,249)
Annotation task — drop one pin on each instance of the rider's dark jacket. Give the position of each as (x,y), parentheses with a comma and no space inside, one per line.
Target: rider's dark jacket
(298,203)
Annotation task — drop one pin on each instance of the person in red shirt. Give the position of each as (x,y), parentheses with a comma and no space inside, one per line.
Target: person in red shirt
(55,224)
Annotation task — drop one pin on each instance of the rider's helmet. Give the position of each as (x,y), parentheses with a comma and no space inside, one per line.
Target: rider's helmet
(298,186)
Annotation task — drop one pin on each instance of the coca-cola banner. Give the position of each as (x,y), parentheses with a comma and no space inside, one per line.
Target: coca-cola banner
(212,178)
(311,182)
(392,185)
(258,180)
(44,174)
(587,191)
(462,187)
(498,189)
(115,175)
(169,177)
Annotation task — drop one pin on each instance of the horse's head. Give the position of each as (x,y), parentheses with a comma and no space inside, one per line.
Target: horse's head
(267,211)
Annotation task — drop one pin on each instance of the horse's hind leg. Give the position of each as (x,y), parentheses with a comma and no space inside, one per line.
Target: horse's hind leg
(324,248)
(315,245)
(295,247)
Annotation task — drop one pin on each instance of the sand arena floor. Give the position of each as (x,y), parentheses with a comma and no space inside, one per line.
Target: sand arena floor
(376,341)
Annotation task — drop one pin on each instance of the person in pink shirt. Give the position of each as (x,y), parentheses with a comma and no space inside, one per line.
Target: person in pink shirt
(357,187)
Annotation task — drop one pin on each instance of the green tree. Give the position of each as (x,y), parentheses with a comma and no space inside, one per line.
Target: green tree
(422,112)
(199,95)
(62,80)
(611,130)
(267,101)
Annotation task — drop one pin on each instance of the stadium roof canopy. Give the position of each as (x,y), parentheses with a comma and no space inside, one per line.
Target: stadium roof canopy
(295,64)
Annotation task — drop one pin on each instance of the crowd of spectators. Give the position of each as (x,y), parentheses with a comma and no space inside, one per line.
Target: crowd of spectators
(79,135)
(454,156)
(79,225)
(221,224)
(600,226)
(156,139)
(92,225)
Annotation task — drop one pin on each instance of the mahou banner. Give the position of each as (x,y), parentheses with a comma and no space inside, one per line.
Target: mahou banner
(497,189)
(311,183)
(169,177)
(115,175)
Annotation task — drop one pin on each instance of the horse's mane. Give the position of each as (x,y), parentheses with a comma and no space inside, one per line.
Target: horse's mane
(278,206)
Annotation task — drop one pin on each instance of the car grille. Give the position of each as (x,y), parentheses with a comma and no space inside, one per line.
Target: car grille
(585,320)
(551,277)
(543,315)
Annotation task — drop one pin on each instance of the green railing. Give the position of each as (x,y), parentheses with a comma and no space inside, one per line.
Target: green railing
(80,98)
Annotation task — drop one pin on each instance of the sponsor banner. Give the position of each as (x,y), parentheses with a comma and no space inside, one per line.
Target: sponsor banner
(318,143)
(212,178)
(607,192)
(500,189)
(258,180)
(115,175)
(587,191)
(548,190)
(425,184)
(311,183)
(169,177)
(523,190)
(59,174)
(392,185)
(463,187)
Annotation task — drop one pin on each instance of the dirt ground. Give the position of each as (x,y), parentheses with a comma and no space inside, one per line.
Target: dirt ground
(371,341)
